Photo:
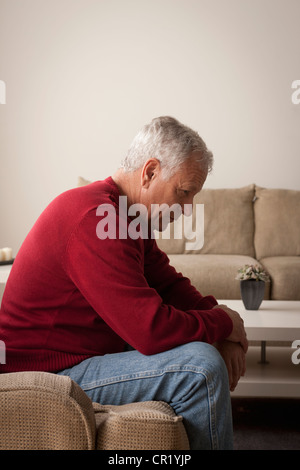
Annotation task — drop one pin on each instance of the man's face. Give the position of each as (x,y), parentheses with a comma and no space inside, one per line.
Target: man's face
(180,189)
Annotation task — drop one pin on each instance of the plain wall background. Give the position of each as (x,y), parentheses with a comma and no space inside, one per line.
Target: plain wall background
(82,76)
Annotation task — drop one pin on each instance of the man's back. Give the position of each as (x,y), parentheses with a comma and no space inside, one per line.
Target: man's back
(39,294)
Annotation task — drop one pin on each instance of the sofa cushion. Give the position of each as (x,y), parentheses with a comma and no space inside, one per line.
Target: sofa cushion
(213,274)
(40,411)
(150,425)
(277,222)
(82,181)
(228,223)
(285,276)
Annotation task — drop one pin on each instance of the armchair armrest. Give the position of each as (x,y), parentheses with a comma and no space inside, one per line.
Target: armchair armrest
(40,410)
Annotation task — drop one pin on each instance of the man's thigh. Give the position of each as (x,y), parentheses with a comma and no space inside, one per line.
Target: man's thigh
(131,376)
(192,378)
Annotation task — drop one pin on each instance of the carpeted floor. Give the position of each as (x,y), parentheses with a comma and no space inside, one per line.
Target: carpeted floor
(266,424)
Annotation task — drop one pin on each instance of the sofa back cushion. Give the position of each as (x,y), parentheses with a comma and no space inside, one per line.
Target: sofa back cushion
(228,223)
(277,222)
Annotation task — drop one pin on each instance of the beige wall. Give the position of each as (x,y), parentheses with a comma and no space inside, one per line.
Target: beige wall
(82,76)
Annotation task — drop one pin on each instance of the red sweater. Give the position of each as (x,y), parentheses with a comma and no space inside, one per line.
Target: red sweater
(71,296)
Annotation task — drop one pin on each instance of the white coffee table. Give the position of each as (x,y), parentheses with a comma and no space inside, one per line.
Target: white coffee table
(270,370)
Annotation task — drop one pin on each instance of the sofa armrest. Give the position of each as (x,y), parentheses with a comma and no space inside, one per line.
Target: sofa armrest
(40,410)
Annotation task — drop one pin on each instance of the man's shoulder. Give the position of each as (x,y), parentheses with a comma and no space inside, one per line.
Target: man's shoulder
(85,198)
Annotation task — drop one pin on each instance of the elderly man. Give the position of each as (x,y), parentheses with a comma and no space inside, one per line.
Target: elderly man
(75,300)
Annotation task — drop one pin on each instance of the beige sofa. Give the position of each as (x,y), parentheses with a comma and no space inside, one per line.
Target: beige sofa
(247,225)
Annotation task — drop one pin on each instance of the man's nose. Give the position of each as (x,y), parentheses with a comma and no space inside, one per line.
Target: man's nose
(188,209)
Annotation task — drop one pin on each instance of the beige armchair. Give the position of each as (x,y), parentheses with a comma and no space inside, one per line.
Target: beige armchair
(40,411)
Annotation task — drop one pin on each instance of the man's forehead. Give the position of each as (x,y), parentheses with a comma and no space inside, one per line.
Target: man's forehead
(192,179)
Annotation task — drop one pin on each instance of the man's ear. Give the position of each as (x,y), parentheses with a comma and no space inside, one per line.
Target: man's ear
(150,171)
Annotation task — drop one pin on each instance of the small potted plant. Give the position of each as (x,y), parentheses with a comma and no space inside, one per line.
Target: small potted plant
(252,284)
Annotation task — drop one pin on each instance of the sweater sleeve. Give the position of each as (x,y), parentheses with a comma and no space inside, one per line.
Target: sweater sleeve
(174,288)
(110,274)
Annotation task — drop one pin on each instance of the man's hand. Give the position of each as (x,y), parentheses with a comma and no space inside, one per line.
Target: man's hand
(238,334)
(234,358)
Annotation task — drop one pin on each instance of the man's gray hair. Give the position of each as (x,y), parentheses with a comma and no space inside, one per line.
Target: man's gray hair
(170,142)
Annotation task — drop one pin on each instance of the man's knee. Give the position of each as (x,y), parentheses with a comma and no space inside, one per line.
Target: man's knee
(203,355)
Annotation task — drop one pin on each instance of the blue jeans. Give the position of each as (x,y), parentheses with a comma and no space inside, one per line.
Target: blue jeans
(192,378)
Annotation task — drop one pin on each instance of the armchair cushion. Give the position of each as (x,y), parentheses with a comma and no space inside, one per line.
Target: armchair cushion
(150,425)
